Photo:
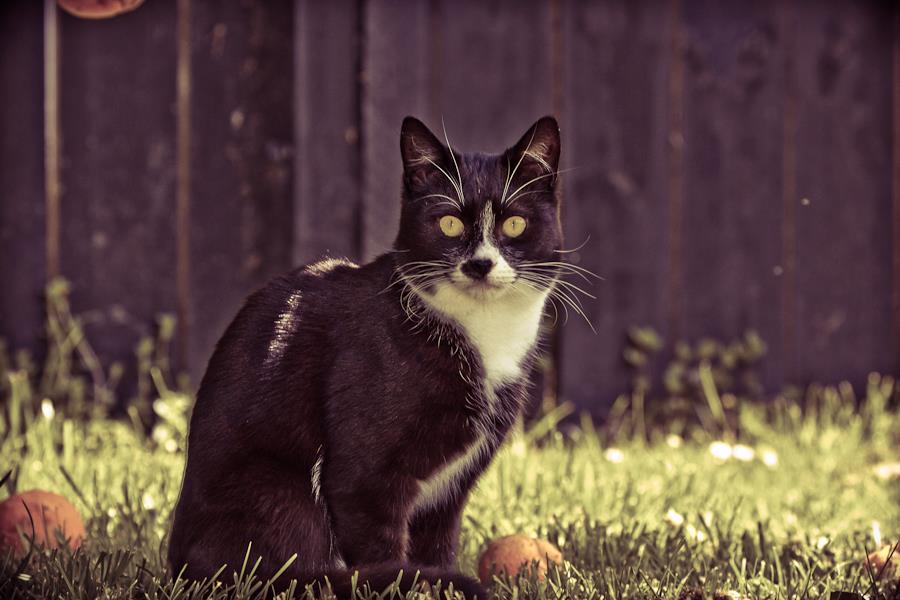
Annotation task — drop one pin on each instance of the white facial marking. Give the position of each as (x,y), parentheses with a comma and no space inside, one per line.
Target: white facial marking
(447,479)
(501,273)
(487,224)
(285,326)
(500,319)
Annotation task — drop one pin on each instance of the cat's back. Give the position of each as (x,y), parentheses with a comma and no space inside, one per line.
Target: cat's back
(299,306)
(287,327)
(271,369)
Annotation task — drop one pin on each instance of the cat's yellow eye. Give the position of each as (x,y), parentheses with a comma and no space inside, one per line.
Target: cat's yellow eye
(514,226)
(451,226)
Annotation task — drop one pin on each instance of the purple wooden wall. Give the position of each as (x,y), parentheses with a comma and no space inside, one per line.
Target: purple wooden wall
(736,164)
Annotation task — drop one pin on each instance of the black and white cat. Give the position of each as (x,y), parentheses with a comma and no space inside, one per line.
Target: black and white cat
(348,410)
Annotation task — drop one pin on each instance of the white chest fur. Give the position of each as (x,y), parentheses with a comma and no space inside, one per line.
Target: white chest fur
(503,330)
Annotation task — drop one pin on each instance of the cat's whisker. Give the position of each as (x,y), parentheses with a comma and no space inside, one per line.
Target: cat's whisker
(566,293)
(574,303)
(556,302)
(574,288)
(426,262)
(536,278)
(462,198)
(515,194)
(560,273)
(577,248)
(521,194)
(510,176)
(508,179)
(537,287)
(540,283)
(423,280)
(555,312)
(455,205)
(451,201)
(456,186)
(567,267)
(566,302)
(418,269)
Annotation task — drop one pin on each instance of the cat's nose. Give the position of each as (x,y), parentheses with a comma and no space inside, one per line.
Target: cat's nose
(477,268)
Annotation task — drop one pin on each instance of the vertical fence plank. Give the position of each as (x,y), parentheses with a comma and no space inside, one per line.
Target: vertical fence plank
(117,89)
(732,178)
(396,53)
(843,66)
(327,163)
(22,257)
(895,191)
(242,159)
(493,70)
(789,204)
(616,109)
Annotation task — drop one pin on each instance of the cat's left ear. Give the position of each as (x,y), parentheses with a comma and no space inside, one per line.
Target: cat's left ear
(538,151)
(420,150)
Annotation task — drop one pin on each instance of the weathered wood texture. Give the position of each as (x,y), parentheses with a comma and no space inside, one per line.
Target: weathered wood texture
(327,130)
(241,161)
(492,70)
(843,66)
(615,209)
(22,216)
(732,181)
(117,176)
(396,71)
(731,162)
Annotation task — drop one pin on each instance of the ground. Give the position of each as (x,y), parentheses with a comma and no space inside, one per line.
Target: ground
(787,508)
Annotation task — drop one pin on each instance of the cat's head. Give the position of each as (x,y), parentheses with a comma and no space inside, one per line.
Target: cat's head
(484,225)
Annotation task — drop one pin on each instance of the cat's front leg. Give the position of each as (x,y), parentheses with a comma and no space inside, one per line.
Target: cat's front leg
(434,533)
(370,524)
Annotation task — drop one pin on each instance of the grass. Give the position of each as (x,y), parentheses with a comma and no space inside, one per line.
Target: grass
(785,504)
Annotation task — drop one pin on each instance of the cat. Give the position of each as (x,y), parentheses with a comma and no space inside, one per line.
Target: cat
(348,410)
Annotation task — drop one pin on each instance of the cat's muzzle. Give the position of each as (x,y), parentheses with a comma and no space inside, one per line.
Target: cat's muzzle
(477,268)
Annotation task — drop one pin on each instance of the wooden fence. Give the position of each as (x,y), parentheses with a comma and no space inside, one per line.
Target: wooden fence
(736,164)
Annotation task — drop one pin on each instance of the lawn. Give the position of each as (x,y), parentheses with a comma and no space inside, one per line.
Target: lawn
(786,504)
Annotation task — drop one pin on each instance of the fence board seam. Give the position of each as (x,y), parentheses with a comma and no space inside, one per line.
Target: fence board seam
(675,166)
(895,189)
(359,223)
(183,178)
(553,350)
(789,196)
(51,135)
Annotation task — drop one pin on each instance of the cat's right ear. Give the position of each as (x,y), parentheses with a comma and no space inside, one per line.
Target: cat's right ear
(420,149)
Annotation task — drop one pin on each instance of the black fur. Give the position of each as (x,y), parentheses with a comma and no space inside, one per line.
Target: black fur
(327,363)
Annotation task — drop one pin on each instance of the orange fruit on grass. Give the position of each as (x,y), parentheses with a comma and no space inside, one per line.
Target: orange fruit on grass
(515,554)
(52,515)
(885,559)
